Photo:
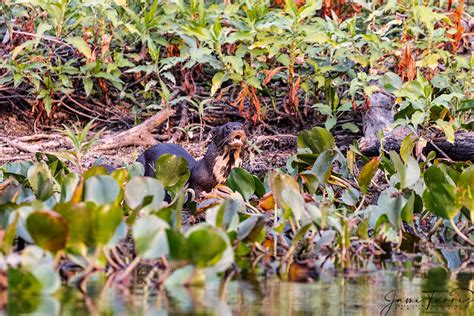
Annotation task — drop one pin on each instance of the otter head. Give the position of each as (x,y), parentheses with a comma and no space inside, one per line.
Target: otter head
(228,141)
(229,136)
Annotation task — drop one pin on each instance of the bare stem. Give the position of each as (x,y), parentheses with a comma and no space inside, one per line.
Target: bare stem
(460,234)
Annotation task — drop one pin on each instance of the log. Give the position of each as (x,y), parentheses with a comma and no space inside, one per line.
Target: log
(141,134)
(377,118)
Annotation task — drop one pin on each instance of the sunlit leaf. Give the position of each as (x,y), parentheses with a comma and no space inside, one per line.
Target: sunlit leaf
(172,171)
(48,230)
(140,187)
(367,173)
(80,44)
(101,189)
(317,139)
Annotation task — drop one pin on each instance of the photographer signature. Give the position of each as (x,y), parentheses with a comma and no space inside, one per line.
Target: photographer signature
(459,297)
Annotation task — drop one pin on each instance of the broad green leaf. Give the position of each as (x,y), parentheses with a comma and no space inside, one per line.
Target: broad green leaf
(350,196)
(465,191)
(392,81)
(178,247)
(317,139)
(140,187)
(206,245)
(391,203)
(249,229)
(172,171)
(217,81)
(447,129)
(48,230)
(408,209)
(439,196)
(80,44)
(41,180)
(102,189)
(36,274)
(287,195)
(241,180)
(90,224)
(224,215)
(323,165)
(408,174)
(149,234)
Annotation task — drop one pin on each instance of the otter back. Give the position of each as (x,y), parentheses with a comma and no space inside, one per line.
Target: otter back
(149,157)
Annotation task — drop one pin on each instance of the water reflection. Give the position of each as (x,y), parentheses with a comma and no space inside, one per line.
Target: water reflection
(392,293)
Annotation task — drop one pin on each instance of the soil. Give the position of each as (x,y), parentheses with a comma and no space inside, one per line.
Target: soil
(271,151)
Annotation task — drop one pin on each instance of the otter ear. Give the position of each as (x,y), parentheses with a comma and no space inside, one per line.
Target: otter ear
(215,131)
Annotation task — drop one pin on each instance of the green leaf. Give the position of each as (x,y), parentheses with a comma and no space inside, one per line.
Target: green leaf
(465,191)
(323,165)
(439,196)
(48,230)
(242,181)
(140,187)
(178,247)
(149,234)
(206,246)
(259,187)
(35,275)
(391,203)
(408,209)
(80,44)
(317,139)
(217,81)
(350,196)
(41,180)
(447,129)
(391,81)
(88,84)
(286,192)
(309,9)
(224,215)
(101,189)
(367,173)
(408,174)
(406,147)
(90,224)
(172,171)
(249,229)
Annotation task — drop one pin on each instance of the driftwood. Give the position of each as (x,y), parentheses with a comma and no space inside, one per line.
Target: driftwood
(22,143)
(141,134)
(380,115)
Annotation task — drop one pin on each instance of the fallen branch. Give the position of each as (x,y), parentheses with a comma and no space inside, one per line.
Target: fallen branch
(139,135)
(380,115)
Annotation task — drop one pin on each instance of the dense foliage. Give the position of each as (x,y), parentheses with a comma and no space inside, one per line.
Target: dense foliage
(84,56)
(314,208)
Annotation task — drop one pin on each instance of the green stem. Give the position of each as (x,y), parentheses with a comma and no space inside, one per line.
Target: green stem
(179,211)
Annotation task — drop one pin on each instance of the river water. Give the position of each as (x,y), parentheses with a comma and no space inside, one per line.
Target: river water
(433,292)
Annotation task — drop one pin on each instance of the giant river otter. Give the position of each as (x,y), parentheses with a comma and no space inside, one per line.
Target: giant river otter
(223,154)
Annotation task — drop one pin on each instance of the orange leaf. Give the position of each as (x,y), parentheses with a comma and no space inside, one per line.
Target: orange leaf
(270,74)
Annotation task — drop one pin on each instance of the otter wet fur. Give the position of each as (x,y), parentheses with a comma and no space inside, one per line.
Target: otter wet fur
(223,154)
